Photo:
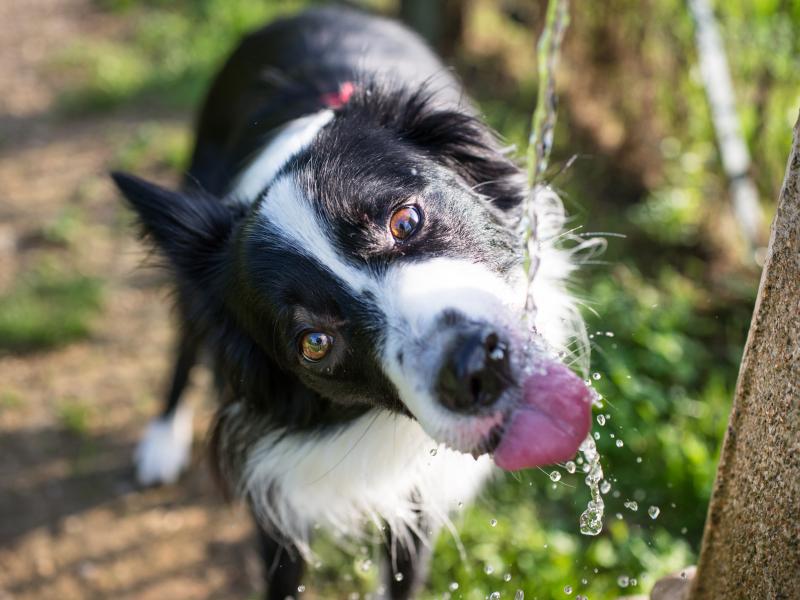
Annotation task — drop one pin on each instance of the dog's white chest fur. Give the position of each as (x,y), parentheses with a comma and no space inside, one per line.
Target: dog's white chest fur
(381,467)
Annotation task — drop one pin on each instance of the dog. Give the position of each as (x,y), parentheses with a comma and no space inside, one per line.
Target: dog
(346,246)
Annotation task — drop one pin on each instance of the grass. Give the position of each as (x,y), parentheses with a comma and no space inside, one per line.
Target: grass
(75,415)
(166,57)
(154,146)
(46,309)
(10,400)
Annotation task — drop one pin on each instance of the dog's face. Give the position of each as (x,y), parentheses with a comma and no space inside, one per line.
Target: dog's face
(378,268)
(380,277)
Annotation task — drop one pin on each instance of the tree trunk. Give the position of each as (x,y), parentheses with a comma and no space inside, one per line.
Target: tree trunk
(751,543)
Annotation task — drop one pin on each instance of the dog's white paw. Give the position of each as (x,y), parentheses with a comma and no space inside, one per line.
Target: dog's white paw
(165,449)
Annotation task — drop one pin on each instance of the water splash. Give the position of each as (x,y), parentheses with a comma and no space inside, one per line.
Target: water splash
(591,520)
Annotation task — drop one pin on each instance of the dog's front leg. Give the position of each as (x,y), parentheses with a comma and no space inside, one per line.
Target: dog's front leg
(283,566)
(406,567)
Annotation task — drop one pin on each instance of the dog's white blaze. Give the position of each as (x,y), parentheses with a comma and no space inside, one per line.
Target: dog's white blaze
(165,448)
(291,216)
(418,293)
(378,468)
(290,140)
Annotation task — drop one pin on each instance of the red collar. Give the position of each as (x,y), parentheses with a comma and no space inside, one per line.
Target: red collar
(340,98)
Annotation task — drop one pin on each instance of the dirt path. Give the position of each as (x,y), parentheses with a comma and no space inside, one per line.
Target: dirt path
(72,523)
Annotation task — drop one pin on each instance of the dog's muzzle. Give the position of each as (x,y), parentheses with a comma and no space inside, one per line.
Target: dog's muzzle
(475,369)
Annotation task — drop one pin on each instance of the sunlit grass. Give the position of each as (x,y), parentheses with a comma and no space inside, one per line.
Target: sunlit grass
(46,309)
(167,56)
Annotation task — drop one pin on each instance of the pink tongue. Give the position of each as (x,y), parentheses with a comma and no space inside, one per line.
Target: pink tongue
(553,420)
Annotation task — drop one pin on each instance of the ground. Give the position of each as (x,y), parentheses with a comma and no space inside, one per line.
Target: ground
(72,522)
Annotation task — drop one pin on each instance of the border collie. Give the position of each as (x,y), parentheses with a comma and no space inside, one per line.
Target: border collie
(346,246)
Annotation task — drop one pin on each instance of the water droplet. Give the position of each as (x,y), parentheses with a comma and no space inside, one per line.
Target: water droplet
(605,487)
(555,476)
(596,376)
(493,523)
(398,577)
(609,334)
(619,443)
(568,589)
(301,588)
(453,586)
(488,569)
(597,435)
(653,511)
(433,451)
(631,504)
(633,581)
(601,420)
(460,504)
(619,516)
(520,595)
(365,565)
(584,581)
(623,581)
(507,577)
(494,596)
(570,466)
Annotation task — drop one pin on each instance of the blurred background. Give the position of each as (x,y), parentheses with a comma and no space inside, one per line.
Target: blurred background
(91,85)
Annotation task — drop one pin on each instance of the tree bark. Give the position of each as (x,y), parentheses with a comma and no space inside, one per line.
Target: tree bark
(751,543)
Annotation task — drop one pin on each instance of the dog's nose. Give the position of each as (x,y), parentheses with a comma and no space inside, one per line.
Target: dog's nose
(475,372)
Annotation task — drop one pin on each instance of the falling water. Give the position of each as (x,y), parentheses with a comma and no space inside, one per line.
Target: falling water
(591,521)
(539,146)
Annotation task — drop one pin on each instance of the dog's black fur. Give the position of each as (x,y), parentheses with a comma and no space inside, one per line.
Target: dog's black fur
(245,294)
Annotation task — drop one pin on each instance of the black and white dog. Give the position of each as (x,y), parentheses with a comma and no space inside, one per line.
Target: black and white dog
(346,246)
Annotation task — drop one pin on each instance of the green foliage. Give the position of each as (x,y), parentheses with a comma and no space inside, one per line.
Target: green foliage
(47,308)
(167,55)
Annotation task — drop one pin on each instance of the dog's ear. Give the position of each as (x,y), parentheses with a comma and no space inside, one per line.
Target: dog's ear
(192,229)
(465,144)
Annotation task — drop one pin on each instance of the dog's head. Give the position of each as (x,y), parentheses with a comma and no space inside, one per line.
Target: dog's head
(378,266)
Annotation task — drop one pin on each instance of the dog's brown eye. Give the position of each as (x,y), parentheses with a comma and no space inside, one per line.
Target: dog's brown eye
(404,222)
(315,345)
